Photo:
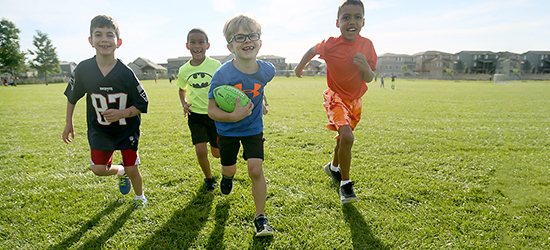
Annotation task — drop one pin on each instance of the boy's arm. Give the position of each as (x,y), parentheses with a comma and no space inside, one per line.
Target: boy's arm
(299,70)
(361,61)
(186,106)
(240,112)
(69,127)
(113,115)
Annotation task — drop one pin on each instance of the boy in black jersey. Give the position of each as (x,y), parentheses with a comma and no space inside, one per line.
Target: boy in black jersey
(115,99)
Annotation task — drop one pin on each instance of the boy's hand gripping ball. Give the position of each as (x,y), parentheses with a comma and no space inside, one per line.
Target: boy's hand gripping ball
(226,97)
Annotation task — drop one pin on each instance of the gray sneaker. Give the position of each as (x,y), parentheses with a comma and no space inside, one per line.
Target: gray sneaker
(347,194)
(336,175)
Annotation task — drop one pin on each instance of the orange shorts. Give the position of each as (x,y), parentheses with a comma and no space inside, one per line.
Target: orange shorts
(340,111)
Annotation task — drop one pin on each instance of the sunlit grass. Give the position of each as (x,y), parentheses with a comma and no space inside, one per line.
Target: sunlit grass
(437,164)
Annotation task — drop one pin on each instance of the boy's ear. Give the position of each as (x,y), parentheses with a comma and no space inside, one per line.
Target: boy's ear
(118,43)
(338,24)
(208,46)
(230,48)
(187,45)
(90,41)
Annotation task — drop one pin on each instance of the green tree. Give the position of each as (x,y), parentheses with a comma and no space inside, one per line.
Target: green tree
(289,69)
(465,69)
(46,61)
(404,69)
(533,70)
(450,72)
(11,57)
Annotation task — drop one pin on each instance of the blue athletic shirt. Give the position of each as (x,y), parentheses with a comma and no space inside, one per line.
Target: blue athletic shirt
(253,86)
(120,89)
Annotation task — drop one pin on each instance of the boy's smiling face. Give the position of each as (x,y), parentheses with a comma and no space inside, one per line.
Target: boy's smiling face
(350,21)
(104,40)
(247,49)
(197,45)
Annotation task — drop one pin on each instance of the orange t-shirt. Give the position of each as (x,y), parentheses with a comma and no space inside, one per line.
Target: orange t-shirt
(343,76)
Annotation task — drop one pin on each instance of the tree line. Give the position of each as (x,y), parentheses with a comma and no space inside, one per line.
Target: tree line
(13,59)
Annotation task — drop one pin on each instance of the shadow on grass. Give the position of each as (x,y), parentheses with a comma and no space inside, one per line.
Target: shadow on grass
(75,237)
(261,242)
(98,242)
(183,228)
(361,233)
(216,237)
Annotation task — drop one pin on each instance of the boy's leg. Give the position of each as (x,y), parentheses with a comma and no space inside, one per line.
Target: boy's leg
(259,186)
(135,176)
(342,151)
(101,163)
(215,152)
(202,156)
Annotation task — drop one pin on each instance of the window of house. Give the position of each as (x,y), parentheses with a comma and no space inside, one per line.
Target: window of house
(486,56)
(399,59)
(438,64)
(457,57)
(524,57)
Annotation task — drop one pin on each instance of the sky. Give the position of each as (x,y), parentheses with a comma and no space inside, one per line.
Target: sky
(157,30)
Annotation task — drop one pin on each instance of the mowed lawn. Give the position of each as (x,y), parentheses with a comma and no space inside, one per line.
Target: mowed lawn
(436,165)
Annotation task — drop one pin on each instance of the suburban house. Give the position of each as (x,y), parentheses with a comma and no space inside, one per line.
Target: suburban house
(390,63)
(433,63)
(174,64)
(536,62)
(67,68)
(145,67)
(278,62)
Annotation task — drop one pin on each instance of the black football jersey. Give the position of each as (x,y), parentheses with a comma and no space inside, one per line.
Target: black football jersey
(119,89)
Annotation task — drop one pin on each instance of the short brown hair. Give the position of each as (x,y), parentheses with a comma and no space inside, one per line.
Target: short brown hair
(348,2)
(103,21)
(246,22)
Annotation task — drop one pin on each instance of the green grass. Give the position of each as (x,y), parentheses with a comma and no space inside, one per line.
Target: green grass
(437,165)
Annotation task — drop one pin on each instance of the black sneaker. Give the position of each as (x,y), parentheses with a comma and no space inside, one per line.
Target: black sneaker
(226,185)
(209,184)
(262,227)
(336,175)
(347,194)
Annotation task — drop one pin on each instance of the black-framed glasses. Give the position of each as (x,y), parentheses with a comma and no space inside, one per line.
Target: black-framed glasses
(240,38)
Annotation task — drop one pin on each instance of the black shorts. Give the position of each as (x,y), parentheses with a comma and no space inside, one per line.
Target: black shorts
(253,147)
(203,129)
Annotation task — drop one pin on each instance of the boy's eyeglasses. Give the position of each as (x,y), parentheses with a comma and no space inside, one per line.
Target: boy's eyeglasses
(240,38)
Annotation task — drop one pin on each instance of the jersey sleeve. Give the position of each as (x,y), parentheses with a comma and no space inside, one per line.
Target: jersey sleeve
(182,78)
(138,95)
(75,88)
(372,58)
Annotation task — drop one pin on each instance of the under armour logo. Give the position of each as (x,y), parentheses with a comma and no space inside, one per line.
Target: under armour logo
(253,91)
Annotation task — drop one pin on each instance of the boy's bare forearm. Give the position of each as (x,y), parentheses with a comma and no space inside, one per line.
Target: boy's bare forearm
(305,59)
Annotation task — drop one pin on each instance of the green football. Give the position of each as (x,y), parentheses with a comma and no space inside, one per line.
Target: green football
(226,97)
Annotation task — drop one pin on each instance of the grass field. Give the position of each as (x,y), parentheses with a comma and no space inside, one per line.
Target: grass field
(436,165)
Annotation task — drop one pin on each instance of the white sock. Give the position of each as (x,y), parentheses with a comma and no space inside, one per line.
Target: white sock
(140,197)
(342,183)
(120,169)
(333,168)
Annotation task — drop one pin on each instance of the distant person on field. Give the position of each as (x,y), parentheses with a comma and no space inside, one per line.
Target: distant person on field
(245,124)
(114,100)
(393,81)
(382,82)
(350,60)
(194,83)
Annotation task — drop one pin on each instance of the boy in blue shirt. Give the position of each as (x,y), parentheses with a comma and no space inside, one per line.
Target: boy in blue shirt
(115,99)
(244,125)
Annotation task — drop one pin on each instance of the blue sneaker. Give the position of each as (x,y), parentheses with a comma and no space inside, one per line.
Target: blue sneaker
(226,185)
(210,184)
(141,203)
(124,184)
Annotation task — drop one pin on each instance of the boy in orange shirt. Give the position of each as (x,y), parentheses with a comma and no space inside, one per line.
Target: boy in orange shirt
(350,60)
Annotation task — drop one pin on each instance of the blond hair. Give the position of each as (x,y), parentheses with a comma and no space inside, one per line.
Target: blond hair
(248,24)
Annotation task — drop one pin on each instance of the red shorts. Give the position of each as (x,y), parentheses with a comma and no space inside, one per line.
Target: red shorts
(340,111)
(129,157)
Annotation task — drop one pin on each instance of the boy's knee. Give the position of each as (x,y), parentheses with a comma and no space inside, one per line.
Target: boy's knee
(99,170)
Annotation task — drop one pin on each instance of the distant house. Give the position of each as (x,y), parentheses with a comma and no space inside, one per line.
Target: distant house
(144,67)
(313,68)
(390,63)
(433,63)
(537,62)
(67,68)
(174,64)
(278,62)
